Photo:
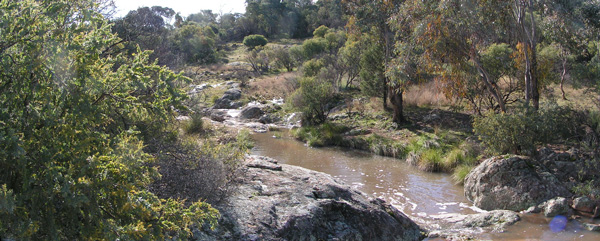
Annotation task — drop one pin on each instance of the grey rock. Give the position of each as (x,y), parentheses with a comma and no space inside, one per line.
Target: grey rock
(497,219)
(299,204)
(222,103)
(263,162)
(584,204)
(218,116)
(233,94)
(513,183)
(251,112)
(228,98)
(592,227)
(269,119)
(556,206)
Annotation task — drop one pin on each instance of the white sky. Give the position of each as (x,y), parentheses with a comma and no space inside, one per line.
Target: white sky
(184,7)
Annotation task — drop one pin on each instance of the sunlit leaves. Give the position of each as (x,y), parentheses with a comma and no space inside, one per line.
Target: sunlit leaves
(74,118)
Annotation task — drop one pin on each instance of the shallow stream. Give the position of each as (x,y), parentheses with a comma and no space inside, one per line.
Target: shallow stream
(427,198)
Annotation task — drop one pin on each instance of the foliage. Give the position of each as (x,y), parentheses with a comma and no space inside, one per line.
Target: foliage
(195,43)
(320,31)
(258,60)
(255,40)
(372,71)
(311,48)
(282,58)
(146,28)
(521,131)
(312,67)
(314,99)
(75,120)
(206,169)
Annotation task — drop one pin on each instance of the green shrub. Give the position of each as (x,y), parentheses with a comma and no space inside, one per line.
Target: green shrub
(312,67)
(314,99)
(520,132)
(255,40)
(321,31)
(313,47)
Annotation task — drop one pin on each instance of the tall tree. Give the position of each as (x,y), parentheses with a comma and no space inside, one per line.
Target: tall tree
(374,15)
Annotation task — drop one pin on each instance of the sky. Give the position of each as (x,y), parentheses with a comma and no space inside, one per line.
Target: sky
(184,7)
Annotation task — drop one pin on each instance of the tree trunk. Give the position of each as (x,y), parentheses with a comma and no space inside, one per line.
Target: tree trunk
(492,88)
(385,93)
(562,78)
(396,101)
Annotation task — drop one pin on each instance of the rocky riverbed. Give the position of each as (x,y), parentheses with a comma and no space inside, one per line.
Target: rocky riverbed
(283,202)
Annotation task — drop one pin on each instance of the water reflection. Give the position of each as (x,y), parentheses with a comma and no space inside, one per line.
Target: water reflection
(425,197)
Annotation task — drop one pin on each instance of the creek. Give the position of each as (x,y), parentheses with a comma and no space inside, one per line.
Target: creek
(430,199)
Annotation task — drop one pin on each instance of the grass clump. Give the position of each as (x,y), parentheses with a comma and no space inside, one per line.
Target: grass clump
(385,147)
(430,160)
(327,134)
(195,125)
(460,173)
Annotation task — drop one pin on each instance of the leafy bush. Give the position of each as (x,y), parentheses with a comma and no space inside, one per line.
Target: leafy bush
(313,47)
(255,40)
(193,170)
(312,67)
(282,58)
(520,132)
(314,99)
(76,127)
(321,31)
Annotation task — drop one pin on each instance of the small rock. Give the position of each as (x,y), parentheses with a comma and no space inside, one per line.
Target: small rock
(183,118)
(556,206)
(533,209)
(222,103)
(269,119)
(262,164)
(233,94)
(592,227)
(584,204)
(218,116)
(251,112)
(498,219)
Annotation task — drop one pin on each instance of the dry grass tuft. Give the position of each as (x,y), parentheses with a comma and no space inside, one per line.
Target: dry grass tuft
(274,86)
(426,94)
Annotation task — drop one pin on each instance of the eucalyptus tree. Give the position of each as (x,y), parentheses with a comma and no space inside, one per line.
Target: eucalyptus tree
(372,18)
(452,36)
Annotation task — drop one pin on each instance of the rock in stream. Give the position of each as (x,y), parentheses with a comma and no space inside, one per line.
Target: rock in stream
(283,202)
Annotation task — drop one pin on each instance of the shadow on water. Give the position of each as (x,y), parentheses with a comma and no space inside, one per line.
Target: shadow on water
(425,197)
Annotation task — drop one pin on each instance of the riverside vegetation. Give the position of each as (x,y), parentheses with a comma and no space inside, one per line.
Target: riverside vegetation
(99,139)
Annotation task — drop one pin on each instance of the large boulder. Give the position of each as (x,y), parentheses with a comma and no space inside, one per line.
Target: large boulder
(513,183)
(227,101)
(283,202)
(251,112)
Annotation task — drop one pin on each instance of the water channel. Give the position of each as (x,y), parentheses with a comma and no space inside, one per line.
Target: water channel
(427,198)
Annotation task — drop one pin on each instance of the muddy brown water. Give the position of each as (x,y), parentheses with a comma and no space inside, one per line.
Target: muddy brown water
(427,198)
